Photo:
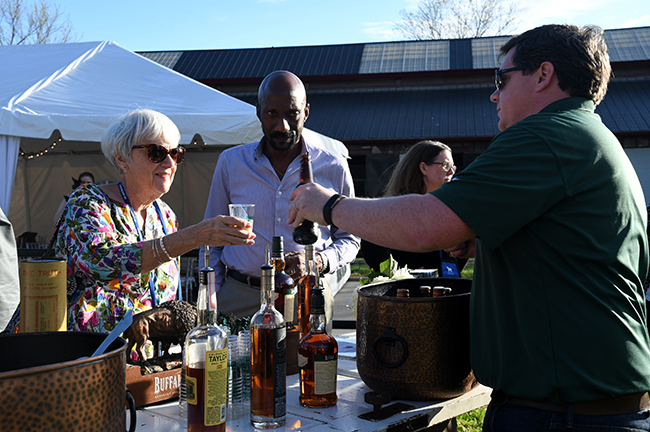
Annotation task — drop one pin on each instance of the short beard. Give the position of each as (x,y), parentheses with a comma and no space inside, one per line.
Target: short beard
(288,140)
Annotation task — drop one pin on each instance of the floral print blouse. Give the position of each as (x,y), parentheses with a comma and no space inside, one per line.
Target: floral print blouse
(99,241)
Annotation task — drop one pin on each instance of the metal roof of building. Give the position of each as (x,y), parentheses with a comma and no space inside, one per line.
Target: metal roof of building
(629,44)
(449,112)
(255,63)
(410,112)
(626,107)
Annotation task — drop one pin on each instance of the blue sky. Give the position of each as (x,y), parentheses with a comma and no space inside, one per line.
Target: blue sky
(151,25)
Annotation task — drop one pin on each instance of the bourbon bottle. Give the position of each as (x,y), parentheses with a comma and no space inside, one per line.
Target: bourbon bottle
(305,234)
(285,289)
(403,293)
(305,286)
(441,291)
(206,370)
(268,360)
(318,359)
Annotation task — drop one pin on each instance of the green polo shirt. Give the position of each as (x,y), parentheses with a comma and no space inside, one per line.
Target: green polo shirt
(557,309)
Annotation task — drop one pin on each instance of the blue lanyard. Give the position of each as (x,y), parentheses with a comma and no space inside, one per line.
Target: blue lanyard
(152,277)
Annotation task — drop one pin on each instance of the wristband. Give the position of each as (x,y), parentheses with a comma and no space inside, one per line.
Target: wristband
(329,206)
(154,249)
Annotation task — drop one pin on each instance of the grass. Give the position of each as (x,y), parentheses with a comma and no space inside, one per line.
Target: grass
(468,422)
(471,421)
(359,268)
(468,271)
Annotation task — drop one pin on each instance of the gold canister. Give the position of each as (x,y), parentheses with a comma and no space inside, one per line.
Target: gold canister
(43,295)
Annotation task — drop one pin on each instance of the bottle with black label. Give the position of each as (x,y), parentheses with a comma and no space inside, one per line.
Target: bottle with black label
(268,360)
(305,234)
(206,370)
(318,359)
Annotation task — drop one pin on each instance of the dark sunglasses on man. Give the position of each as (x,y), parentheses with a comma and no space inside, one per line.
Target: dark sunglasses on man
(157,153)
(497,75)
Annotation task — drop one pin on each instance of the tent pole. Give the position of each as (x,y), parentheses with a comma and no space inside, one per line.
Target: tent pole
(28,217)
(180,168)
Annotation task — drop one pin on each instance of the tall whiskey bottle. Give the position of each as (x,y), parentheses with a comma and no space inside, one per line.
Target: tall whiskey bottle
(268,360)
(305,234)
(285,289)
(305,286)
(206,371)
(318,359)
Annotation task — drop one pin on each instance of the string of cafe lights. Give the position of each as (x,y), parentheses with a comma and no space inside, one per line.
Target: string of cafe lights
(42,152)
(53,145)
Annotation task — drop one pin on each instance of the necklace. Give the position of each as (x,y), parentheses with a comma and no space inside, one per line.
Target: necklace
(278,172)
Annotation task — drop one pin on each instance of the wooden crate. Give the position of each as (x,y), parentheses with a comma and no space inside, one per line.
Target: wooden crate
(152,388)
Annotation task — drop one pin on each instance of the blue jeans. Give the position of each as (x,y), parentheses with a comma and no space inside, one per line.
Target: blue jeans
(511,418)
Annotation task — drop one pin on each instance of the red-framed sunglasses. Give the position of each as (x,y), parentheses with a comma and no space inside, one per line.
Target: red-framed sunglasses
(157,153)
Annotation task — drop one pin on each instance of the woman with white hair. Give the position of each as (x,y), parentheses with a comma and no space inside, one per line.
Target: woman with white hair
(121,241)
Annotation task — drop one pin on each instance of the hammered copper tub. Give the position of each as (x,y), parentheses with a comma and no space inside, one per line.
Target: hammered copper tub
(44,386)
(415,348)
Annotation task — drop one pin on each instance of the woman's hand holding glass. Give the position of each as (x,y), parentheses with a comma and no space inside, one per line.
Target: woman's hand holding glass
(243,211)
(229,231)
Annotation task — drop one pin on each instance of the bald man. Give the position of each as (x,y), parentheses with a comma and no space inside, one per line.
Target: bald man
(265,173)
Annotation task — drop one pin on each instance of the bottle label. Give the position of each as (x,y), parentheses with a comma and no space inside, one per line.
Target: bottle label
(280,375)
(289,308)
(191,385)
(216,386)
(325,366)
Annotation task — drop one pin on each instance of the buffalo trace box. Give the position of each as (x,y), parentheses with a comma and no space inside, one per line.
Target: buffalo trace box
(154,387)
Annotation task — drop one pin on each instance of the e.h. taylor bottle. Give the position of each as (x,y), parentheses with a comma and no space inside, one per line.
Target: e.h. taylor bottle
(268,360)
(318,359)
(206,371)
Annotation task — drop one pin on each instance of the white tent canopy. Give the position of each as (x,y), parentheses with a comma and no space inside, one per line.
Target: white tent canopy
(79,90)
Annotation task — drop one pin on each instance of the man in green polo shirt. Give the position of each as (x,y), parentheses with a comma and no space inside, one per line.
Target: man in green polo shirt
(555,216)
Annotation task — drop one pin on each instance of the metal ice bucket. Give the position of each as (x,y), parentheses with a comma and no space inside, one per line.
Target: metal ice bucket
(46,385)
(415,348)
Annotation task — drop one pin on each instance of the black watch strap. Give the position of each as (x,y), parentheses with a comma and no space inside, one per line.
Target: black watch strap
(329,206)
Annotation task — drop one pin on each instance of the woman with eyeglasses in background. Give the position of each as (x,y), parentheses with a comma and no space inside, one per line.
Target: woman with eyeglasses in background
(84,178)
(121,241)
(424,168)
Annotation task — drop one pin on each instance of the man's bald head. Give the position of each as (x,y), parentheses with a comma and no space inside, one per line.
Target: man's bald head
(281,82)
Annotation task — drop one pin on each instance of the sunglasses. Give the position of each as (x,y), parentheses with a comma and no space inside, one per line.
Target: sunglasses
(157,153)
(497,75)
